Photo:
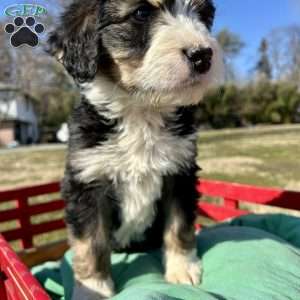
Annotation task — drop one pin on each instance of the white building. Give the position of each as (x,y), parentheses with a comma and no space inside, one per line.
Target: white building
(18,118)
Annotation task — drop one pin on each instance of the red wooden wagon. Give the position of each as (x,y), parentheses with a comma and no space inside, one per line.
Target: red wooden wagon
(16,281)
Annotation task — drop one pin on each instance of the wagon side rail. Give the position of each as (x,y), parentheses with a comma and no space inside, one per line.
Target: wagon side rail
(23,212)
(16,282)
(232,195)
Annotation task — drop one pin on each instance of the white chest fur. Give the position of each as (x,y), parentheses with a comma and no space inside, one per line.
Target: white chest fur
(138,155)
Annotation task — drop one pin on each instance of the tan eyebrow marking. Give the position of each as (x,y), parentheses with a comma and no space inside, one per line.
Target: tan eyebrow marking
(125,6)
(156,3)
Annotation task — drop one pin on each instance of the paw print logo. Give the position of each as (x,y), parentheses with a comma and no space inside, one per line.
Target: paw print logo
(24,32)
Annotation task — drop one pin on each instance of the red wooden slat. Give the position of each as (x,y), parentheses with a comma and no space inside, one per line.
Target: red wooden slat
(253,194)
(46,207)
(11,291)
(24,221)
(231,203)
(48,226)
(30,191)
(15,234)
(219,213)
(15,213)
(10,214)
(25,286)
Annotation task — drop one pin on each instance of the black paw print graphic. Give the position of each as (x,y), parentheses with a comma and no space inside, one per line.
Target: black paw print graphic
(24,34)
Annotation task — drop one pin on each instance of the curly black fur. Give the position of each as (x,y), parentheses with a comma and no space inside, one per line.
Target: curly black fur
(77,42)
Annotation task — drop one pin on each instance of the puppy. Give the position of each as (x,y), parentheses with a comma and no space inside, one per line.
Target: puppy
(129,183)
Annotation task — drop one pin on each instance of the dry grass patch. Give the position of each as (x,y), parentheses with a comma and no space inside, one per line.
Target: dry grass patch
(22,168)
(231,165)
(264,156)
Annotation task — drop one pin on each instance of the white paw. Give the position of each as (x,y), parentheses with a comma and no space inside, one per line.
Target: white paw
(182,269)
(93,289)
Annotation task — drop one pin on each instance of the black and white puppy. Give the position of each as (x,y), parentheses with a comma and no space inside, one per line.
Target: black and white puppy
(129,183)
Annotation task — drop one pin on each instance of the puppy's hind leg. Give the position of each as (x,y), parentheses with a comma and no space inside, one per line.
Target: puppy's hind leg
(91,265)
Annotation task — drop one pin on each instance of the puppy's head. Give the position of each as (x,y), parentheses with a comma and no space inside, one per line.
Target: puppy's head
(161,47)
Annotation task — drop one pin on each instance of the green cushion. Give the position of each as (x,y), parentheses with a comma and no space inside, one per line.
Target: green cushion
(252,257)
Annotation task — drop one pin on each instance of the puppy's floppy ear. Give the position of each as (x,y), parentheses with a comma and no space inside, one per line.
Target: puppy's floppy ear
(207,13)
(76,42)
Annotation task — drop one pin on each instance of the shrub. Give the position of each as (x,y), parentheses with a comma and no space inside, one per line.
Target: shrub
(263,102)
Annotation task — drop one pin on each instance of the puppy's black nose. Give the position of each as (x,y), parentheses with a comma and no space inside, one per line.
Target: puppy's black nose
(200,58)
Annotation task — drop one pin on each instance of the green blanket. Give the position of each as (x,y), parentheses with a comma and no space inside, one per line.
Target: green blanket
(250,258)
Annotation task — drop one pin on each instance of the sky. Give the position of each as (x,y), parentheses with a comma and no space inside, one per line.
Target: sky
(250,19)
(253,20)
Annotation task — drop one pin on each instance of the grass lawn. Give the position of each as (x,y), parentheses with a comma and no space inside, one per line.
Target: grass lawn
(31,166)
(265,156)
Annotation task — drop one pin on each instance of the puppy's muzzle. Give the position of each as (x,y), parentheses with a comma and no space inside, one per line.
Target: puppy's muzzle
(199,58)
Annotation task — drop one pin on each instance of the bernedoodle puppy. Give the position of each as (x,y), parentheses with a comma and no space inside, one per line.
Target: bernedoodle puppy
(129,183)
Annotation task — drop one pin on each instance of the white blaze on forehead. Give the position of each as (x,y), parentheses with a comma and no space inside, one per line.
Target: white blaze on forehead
(183,8)
(182,28)
(189,30)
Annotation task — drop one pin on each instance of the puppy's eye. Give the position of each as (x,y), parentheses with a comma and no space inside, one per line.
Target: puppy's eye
(143,13)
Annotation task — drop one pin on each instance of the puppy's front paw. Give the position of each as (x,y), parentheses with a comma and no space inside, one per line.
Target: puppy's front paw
(92,289)
(183,269)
